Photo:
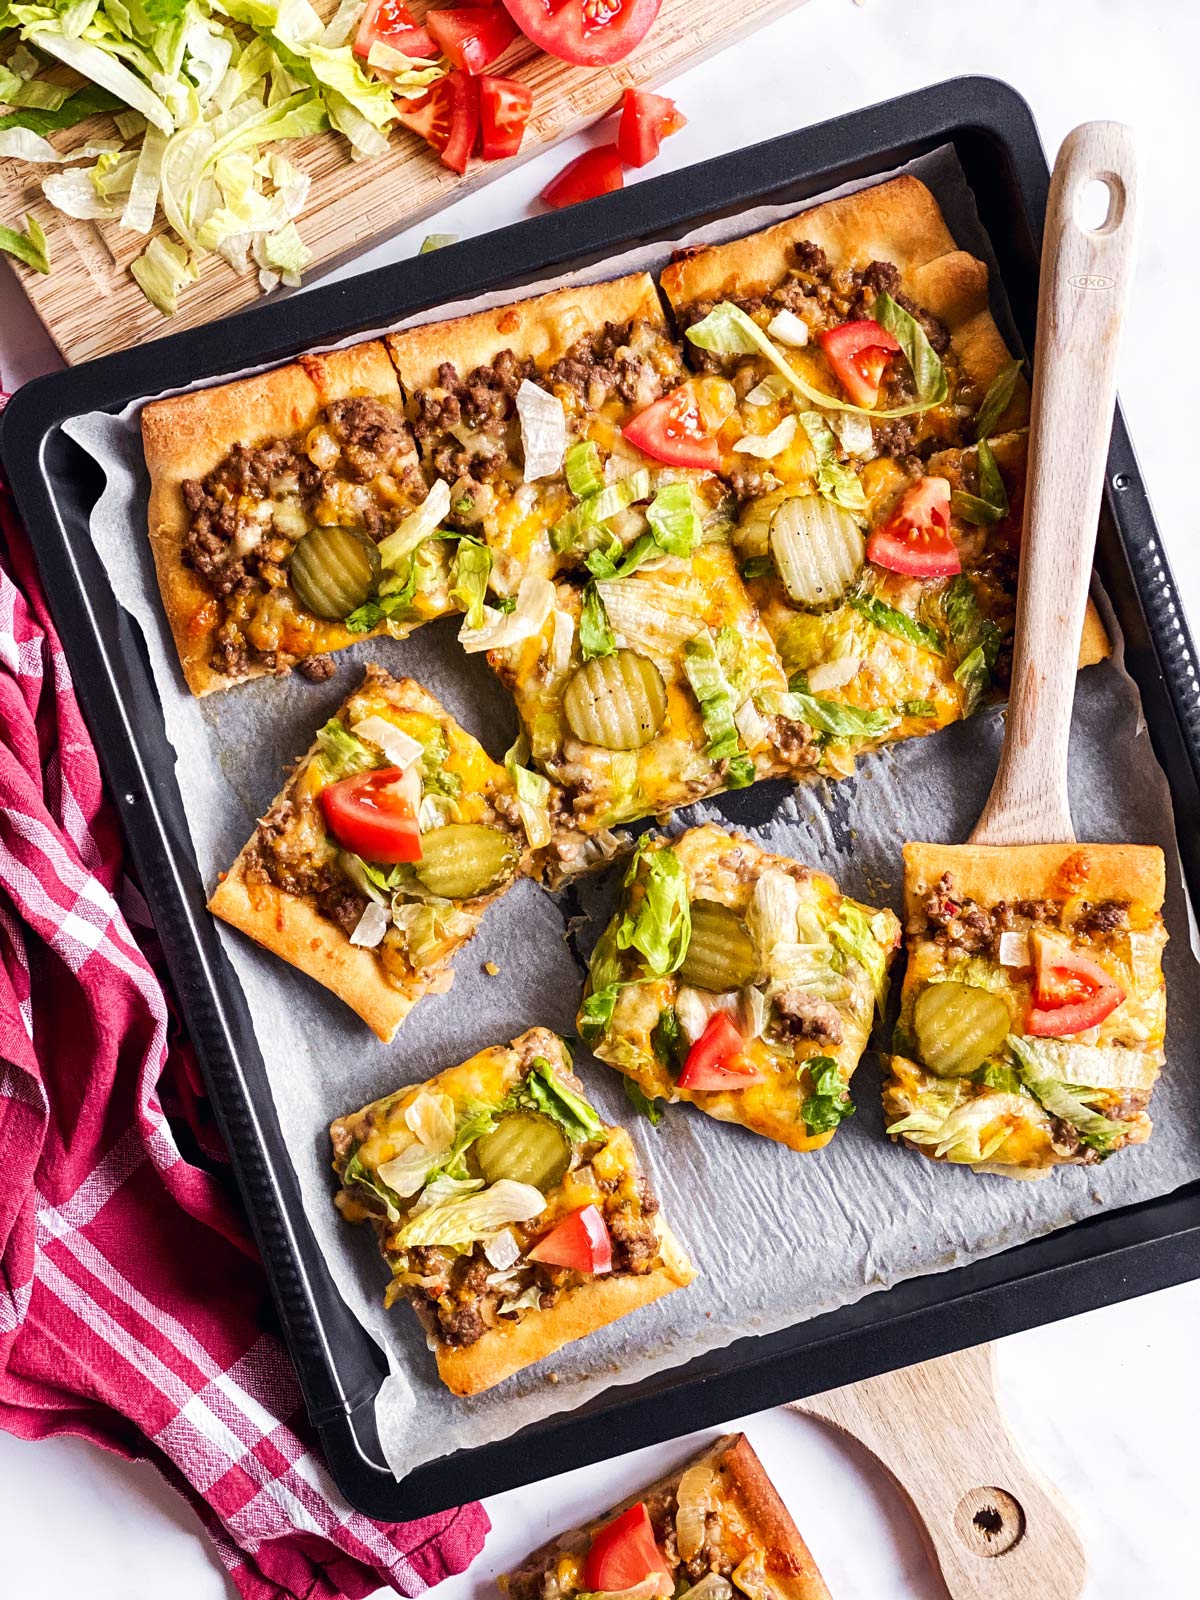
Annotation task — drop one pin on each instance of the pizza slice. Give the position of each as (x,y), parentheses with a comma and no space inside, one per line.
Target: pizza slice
(741,981)
(875,445)
(375,865)
(289,516)
(1033,1013)
(716,1528)
(512,1217)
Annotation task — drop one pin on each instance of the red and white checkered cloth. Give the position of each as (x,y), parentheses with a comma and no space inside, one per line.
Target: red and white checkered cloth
(133,1310)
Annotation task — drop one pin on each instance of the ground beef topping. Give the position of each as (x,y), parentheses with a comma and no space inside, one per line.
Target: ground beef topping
(800,1015)
(952,919)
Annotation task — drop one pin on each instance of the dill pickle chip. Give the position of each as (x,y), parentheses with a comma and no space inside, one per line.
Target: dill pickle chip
(720,954)
(524,1149)
(618,702)
(465,859)
(334,571)
(959,1027)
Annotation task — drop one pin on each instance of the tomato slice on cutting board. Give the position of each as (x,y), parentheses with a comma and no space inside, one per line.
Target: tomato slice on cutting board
(374,814)
(646,120)
(446,118)
(673,430)
(716,1061)
(588,33)
(595,172)
(504,107)
(390,22)
(1071,992)
(473,38)
(858,352)
(915,539)
(581,1242)
(623,1555)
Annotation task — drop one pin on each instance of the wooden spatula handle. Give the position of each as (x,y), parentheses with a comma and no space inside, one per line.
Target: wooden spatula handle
(1085,279)
(995,1529)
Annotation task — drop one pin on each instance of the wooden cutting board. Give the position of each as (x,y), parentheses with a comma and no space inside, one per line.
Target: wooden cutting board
(91,306)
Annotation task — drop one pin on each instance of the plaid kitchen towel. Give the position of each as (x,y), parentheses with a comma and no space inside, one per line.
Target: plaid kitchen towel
(133,1310)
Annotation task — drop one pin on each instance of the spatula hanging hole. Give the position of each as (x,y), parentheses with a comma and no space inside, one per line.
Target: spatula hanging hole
(989,1521)
(1100,203)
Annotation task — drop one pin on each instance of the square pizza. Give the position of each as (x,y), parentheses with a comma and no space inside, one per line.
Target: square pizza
(1033,1014)
(376,863)
(740,981)
(289,516)
(874,441)
(715,1527)
(509,1214)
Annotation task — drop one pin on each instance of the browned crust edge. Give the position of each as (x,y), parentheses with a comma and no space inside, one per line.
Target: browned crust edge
(990,873)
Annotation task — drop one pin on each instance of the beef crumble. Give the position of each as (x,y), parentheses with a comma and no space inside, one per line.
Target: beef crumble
(952,919)
(806,1016)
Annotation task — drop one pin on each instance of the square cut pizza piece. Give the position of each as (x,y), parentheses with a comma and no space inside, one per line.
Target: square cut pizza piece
(1033,1013)
(716,1528)
(523,410)
(289,516)
(375,865)
(741,981)
(643,692)
(875,441)
(512,1217)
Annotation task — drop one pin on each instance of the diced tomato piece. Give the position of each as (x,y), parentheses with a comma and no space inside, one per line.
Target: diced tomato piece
(673,430)
(916,537)
(646,120)
(580,1242)
(374,814)
(473,38)
(446,118)
(1071,992)
(595,172)
(858,352)
(623,1555)
(390,22)
(588,33)
(716,1061)
(504,107)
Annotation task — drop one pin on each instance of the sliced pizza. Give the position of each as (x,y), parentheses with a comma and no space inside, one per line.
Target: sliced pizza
(716,1529)
(1033,1014)
(738,980)
(376,863)
(512,1217)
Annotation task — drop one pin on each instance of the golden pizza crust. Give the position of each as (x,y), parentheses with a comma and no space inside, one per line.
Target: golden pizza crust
(507,1348)
(899,221)
(787,1561)
(186,436)
(541,329)
(990,873)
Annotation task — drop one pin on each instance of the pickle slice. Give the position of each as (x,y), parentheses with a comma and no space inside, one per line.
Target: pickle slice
(720,954)
(334,571)
(525,1149)
(958,1027)
(618,702)
(465,859)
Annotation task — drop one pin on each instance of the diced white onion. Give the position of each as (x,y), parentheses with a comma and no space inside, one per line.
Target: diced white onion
(399,747)
(1014,949)
(543,430)
(500,629)
(853,433)
(750,724)
(787,328)
(833,674)
(770,444)
(502,1250)
(371,926)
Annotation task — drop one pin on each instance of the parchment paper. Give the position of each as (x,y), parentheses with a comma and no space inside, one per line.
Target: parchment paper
(777,1236)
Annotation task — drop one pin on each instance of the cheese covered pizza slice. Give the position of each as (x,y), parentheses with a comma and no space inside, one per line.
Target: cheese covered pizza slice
(741,981)
(1033,1013)
(510,1215)
(716,1528)
(874,441)
(375,864)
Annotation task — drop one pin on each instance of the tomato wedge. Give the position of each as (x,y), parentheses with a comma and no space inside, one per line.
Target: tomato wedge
(716,1061)
(673,430)
(595,172)
(1071,992)
(646,120)
(472,39)
(623,1555)
(858,352)
(504,107)
(915,539)
(581,1242)
(588,33)
(390,22)
(374,814)
(446,118)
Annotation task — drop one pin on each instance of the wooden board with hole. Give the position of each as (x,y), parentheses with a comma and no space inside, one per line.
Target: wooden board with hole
(91,305)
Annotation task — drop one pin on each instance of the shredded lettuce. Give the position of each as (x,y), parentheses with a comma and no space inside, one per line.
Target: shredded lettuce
(991,503)
(828,716)
(533,793)
(356,1173)
(661,928)
(899,622)
(674,519)
(828,1104)
(642,1103)
(928,373)
(469,572)
(29,247)
(995,401)
(162,270)
(76,108)
(543,1091)
(852,933)
(1034,1065)
(595,633)
(702,667)
(342,754)
(668,1043)
(834,480)
(582,467)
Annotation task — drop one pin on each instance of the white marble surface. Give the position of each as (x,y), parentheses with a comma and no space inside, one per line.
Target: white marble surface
(1108,1405)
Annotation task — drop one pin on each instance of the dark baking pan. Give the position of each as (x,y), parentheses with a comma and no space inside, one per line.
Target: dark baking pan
(1107,1258)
